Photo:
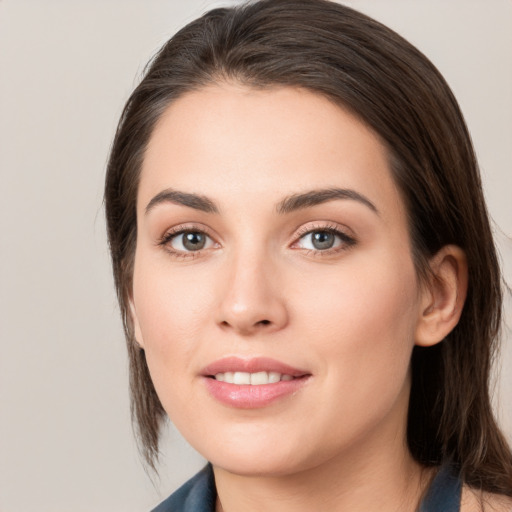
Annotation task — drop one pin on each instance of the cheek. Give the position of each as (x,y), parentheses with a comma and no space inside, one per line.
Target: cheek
(171,308)
(365,318)
(362,325)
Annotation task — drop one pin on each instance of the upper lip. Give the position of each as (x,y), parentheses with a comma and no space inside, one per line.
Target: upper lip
(252,365)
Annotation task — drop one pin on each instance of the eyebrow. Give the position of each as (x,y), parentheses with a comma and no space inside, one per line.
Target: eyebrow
(195,201)
(316,197)
(287,205)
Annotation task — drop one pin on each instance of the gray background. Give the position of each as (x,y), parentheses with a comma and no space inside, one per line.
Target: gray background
(66,69)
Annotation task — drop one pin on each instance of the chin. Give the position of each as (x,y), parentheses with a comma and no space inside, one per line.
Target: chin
(263,467)
(269,458)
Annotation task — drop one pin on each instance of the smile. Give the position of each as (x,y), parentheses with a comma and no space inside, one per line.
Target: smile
(252,383)
(253,379)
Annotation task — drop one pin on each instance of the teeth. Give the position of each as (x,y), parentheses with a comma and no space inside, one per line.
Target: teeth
(242,378)
(273,377)
(259,378)
(256,379)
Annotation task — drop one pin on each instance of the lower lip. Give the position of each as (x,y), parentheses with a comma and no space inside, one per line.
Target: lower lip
(253,397)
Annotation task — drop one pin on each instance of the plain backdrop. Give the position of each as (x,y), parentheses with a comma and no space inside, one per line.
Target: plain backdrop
(66,69)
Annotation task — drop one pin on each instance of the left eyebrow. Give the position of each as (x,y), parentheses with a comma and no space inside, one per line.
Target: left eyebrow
(316,197)
(195,201)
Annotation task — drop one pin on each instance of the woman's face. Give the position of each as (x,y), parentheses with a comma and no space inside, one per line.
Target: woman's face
(273,248)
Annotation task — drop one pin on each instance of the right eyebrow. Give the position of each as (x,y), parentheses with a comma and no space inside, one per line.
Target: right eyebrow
(195,201)
(315,197)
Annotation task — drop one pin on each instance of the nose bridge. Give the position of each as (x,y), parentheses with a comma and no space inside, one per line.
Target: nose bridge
(252,300)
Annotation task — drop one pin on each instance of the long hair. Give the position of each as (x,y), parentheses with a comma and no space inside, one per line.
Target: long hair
(393,88)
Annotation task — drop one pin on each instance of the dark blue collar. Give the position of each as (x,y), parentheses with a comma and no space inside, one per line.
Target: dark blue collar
(196,495)
(444,492)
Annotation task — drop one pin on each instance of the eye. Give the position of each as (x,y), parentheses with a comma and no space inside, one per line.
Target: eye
(190,240)
(324,239)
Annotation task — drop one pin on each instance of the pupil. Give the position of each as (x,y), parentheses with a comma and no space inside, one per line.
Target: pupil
(194,241)
(323,240)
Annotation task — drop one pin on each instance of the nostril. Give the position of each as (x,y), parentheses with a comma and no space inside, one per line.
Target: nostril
(264,322)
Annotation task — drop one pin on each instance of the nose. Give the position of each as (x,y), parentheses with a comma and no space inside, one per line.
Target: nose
(252,301)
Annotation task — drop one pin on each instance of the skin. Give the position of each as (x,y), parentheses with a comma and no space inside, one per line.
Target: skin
(350,315)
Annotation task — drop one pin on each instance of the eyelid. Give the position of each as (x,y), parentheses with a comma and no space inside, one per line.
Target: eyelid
(175,231)
(342,232)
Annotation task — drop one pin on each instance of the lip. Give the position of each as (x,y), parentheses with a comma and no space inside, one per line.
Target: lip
(253,365)
(249,396)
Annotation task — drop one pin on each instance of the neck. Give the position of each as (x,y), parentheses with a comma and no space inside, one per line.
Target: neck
(395,486)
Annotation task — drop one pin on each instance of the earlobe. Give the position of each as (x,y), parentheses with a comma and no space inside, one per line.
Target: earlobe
(443,297)
(137,334)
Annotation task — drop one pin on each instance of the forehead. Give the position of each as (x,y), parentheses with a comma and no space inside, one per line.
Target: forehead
(233,141)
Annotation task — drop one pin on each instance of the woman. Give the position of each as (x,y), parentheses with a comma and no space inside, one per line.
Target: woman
(305,268)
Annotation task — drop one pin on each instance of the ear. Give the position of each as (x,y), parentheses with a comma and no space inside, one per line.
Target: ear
(137,333)
(443,297)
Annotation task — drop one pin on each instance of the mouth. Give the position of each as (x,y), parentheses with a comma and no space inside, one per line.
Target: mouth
(252,379)
(252,383)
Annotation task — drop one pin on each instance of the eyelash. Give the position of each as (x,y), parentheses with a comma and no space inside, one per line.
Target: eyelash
(169,236)
(346,241)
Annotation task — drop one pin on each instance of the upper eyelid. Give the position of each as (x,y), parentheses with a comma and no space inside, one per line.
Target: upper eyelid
(344,233)
(174,231)
(324,226)
(183,228)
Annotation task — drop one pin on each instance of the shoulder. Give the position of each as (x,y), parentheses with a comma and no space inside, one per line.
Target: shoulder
(473,500)
(196,495)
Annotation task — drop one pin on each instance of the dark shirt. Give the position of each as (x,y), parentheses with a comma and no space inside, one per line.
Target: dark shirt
(199,494)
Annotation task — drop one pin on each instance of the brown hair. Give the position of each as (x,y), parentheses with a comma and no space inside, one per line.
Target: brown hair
(358,63)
